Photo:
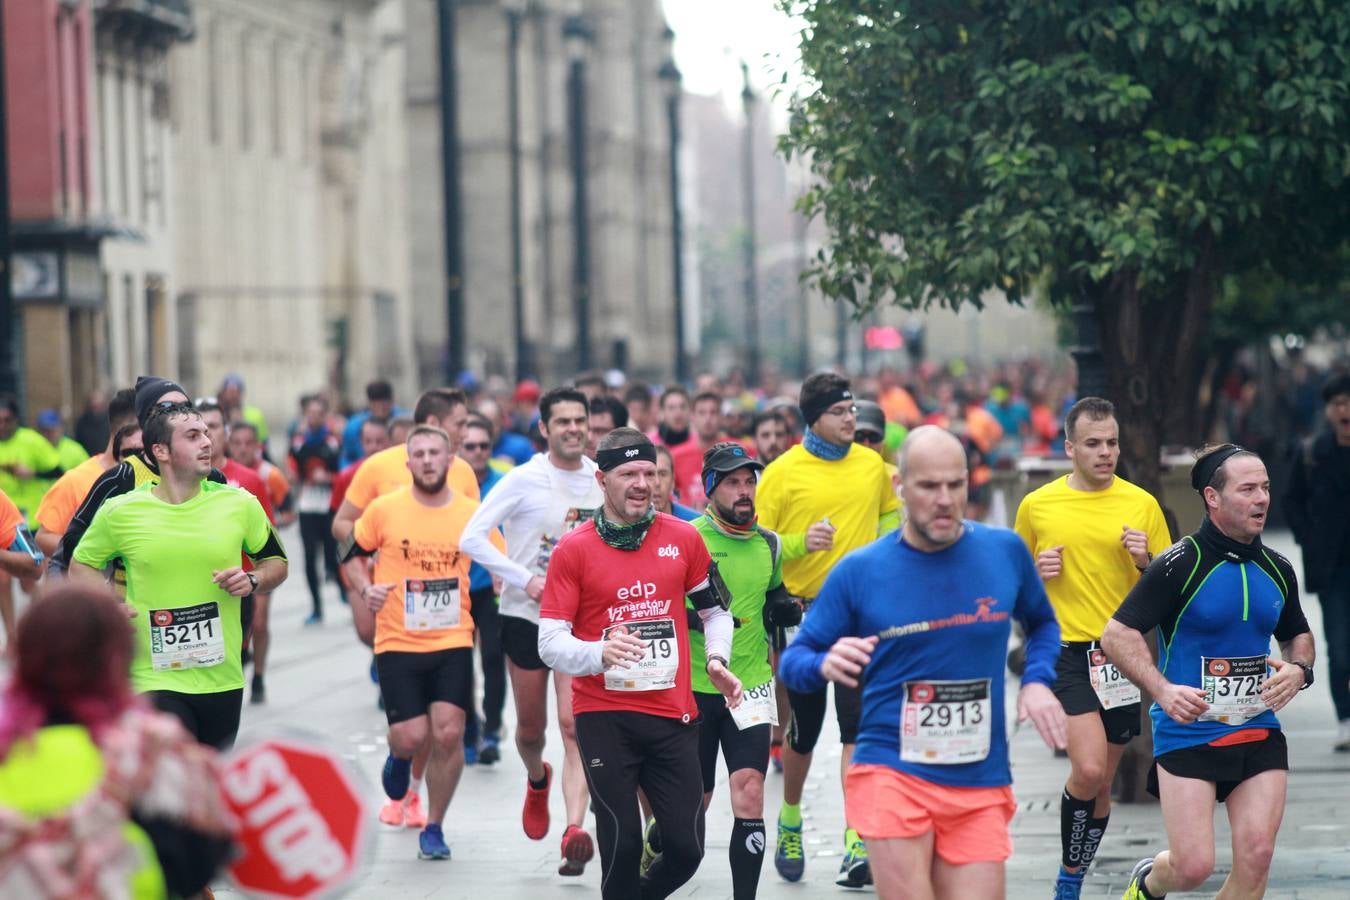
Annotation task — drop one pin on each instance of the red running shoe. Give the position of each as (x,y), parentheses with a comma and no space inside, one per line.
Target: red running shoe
(577,850)
(535,815)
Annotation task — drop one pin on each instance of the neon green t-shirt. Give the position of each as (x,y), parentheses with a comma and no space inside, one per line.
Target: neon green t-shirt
(32,451)
(750,569)
(188,633)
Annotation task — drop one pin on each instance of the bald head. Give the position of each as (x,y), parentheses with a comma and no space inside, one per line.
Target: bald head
(927,445)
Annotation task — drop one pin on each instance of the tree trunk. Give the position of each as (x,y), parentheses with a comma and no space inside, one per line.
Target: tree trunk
(1151,346)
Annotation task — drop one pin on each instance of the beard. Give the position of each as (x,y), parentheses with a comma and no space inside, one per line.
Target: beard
(431,484)
(744,516)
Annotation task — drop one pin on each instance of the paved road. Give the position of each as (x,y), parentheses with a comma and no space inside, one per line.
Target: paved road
(319,682)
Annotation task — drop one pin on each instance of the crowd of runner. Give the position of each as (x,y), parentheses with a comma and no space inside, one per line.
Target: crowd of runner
(686,572)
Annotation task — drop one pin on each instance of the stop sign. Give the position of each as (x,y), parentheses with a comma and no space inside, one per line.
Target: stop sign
(304,825)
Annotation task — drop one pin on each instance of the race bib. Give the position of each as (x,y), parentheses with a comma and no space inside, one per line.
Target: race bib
(1112,688)
(759,706)
(660,661)
(945,722)
(187,638)
(314,498)
(544,553)
(1232,686)
(430,604)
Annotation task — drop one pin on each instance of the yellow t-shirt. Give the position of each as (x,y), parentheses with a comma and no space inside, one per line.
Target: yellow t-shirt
(417,547)
(387,471)
(797,489)
(1097,571)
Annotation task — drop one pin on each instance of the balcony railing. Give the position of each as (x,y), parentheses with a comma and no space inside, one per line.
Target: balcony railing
(170,18)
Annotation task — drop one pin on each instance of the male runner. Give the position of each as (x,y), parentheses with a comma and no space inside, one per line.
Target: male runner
(612,614)
(673,428)
(63,498)
(315,457)
(1217,597)
(922,620)
(241,476)
(179,540)
(245,448)
(827,495)
(535,505)
(770,432)
(663,492)
(749,559)
(1091,534)
(19,553)
(706,424)
(424,626)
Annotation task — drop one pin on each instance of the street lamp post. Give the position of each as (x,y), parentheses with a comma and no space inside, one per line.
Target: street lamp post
(515,13)
(453,195)
(751,264)
(670,76)
(577,35)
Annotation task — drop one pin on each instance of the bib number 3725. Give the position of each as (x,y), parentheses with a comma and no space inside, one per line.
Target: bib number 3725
(1232,686)
(945,722)
(189,637)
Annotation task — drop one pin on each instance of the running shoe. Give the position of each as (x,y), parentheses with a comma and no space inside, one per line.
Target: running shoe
(1135,891)
(431,844)
(1069,885)
(535,816)
(392,813)
(258,692)
(396,777)
(788,858)
(577,850)
(470,754)
(855,871)
(413,814)
(489,751)
(649,852)
(776,756)
(314,619)
(374,671)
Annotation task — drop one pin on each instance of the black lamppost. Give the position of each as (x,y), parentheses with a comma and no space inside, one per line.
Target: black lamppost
(670,77)
(515,14)
(453,196)
(577,36)
(751,264)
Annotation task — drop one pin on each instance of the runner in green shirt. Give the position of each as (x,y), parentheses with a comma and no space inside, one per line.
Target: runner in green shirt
(180,542)
(749,560)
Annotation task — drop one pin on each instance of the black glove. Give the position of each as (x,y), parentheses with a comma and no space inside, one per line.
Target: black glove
(781,610)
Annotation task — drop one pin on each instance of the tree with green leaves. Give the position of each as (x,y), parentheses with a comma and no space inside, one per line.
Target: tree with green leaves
(1132,157)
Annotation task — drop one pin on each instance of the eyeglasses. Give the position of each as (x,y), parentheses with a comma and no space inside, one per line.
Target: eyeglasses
(867,437)
(841,411)
(474,448)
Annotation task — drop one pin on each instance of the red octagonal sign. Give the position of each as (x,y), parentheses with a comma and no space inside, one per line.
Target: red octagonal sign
(303,822)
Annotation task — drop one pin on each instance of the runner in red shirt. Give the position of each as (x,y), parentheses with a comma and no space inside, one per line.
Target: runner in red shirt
(612,616)
(253,607)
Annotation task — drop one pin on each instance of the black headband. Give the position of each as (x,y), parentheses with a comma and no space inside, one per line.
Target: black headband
(813,409)
(1202,473)
(617,456)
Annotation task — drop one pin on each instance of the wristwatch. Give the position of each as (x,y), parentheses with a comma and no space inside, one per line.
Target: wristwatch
(253,580)
(1307,675)
(710,661)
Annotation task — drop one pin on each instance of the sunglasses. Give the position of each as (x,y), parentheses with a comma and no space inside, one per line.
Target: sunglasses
(473,448)
(127,452)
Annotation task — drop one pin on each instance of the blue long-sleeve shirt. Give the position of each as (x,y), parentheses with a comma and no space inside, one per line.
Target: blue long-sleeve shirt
(941,617)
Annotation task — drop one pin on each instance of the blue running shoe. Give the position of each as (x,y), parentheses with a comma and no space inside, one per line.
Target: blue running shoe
(789,859)
(855,871)
(431,843)
(374,671)
(489,751)
(1069,885)
(396,777)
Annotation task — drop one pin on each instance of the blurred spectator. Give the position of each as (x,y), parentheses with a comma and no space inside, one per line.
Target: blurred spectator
(379,405)
(69,453)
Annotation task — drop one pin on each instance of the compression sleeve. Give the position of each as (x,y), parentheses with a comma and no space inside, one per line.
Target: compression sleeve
(563,652)
(718,625)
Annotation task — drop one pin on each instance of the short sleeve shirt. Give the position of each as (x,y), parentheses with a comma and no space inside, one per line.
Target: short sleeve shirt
(414,544)
(63,498)
(170,552)
(387,471)
(596,587)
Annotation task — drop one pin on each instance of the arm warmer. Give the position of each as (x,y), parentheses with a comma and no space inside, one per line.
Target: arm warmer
(718,625)
(563,652)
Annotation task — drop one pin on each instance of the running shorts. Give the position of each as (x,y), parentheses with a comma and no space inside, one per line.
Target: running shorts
(213,719)
(808,716)
(969,824)
(411,682)
(520,642)
(1227,767)
(1073,687)
(748,749)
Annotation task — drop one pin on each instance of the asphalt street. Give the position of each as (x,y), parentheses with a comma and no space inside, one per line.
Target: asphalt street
(319,684)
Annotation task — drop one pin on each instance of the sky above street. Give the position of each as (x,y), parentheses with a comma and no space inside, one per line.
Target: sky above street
(713,36)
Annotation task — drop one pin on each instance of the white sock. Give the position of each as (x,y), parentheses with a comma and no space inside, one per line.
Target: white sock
(414,786)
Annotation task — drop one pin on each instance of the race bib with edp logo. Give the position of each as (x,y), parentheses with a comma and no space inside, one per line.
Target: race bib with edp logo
(1232,686)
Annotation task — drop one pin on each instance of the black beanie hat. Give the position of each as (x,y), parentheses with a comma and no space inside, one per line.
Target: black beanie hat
(149,388)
